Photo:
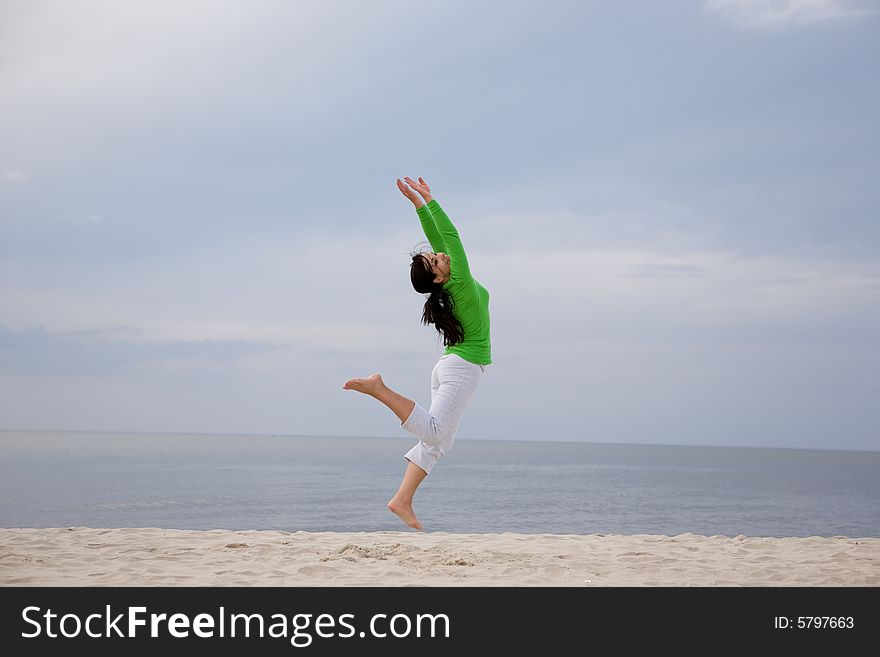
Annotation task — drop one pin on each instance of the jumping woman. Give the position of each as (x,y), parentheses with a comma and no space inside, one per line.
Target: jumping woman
(458,307)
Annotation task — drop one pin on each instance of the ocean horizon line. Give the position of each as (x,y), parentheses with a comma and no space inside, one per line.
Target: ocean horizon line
(463,438)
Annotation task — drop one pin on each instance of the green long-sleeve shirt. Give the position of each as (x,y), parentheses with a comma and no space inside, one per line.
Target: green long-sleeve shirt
(470,300)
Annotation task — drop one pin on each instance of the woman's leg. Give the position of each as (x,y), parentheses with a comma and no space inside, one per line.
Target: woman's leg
(453,383)
(401,503)
(375,387)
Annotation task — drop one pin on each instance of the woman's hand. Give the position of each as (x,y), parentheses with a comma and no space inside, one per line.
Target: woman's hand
(421,187)
(410,194)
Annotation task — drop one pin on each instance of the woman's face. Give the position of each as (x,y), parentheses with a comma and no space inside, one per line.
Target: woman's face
(439,263)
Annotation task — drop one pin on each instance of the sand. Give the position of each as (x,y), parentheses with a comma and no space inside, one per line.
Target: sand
(81,556)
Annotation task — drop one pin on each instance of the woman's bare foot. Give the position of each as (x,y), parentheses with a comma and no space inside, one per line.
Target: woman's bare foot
(369,386)
(405,512)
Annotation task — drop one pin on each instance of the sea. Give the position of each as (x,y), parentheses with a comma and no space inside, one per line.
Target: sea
(337,483)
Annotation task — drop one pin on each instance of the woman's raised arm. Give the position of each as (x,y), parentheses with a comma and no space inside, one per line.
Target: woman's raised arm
(447,232)
(420,200)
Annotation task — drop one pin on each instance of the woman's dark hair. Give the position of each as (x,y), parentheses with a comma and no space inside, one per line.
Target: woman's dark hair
(438,308)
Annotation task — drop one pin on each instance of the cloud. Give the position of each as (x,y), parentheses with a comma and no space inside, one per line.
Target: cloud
(668,270)
(145,65)
(88,220)
(35,350)
(103,332)
(782,14)
(16,176)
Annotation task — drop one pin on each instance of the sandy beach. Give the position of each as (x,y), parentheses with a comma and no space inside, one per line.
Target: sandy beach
(80,556)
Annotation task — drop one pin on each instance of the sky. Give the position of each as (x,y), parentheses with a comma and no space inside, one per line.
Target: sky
(674,207)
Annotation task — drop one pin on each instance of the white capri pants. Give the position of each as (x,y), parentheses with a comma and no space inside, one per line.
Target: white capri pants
(453,382)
